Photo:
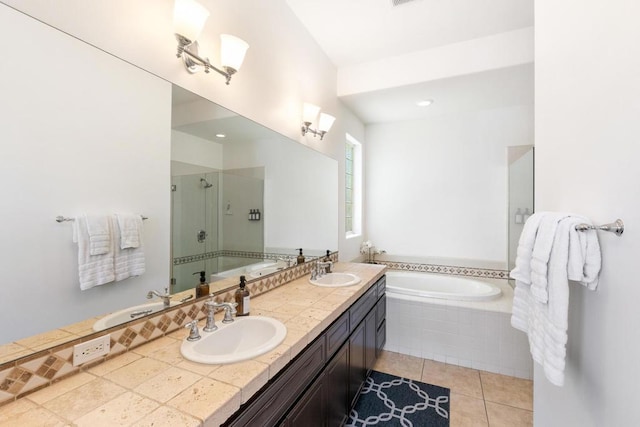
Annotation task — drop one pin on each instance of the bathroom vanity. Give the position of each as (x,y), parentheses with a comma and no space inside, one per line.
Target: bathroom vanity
(313,377)
(319,387)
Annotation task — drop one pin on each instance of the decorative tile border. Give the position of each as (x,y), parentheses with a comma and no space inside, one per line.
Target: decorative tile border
(239,254)
(42,369)
(447,269)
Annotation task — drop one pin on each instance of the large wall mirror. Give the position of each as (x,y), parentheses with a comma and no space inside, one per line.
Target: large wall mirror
(95,134)
(244,198)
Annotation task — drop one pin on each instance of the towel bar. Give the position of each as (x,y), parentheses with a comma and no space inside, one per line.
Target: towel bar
(614,227)
(61,218)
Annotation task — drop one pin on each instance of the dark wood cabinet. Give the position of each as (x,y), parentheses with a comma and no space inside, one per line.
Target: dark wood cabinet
(310,410)
(336,379)
(320,386)
(357,363)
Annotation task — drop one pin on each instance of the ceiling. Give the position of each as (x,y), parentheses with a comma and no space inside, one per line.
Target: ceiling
(359,31)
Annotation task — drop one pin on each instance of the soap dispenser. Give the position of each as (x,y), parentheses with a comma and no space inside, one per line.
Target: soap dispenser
(300,258)
(202,290)
(242,298)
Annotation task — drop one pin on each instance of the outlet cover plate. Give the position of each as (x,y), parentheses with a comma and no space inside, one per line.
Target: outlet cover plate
(90,350)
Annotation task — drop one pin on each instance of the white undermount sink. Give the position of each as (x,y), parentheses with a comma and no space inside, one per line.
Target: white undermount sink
(124,315)
(243,339)
(336,280)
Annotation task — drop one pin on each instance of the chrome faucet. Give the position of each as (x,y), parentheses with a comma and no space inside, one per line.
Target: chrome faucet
(321,269)
(166,298)
(194,333)
(229,311)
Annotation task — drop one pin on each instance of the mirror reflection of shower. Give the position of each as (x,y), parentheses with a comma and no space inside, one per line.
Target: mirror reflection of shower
(204,225)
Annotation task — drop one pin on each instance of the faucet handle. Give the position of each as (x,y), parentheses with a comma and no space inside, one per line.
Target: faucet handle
(194,333)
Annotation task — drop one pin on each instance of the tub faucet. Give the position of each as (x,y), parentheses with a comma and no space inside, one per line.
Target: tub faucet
(166,298)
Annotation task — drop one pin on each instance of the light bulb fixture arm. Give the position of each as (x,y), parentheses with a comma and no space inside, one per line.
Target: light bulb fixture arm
(306,128)
(188,51)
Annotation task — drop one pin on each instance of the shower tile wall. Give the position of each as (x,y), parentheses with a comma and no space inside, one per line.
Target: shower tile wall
(461,336)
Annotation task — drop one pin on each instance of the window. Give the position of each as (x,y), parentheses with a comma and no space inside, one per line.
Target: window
(352,186)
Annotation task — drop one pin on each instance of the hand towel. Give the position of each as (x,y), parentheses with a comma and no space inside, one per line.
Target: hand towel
(541,253)
(99,234)
(130,229)
(93,270)
(129,262)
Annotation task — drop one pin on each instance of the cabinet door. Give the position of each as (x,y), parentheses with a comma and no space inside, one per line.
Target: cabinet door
(310,410)
(336,380)
(370,341)
(357,362)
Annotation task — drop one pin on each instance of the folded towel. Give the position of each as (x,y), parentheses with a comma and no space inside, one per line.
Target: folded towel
(522,271)
(99,234)
(130,261)
(93,270)
(541,253)
(130,230)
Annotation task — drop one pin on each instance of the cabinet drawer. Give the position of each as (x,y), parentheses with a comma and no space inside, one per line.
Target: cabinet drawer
(278,398)
(361,307)
(337,334)
(381,284)
(381,310)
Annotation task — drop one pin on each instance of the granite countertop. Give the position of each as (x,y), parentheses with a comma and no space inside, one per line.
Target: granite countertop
(153,385)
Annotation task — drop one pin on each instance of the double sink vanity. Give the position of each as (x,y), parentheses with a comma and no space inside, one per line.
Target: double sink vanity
(299,358)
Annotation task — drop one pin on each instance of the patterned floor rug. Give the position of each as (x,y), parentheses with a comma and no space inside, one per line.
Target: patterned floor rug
(387,400)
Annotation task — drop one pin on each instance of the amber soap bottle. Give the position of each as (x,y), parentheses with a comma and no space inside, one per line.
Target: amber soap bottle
(242,298)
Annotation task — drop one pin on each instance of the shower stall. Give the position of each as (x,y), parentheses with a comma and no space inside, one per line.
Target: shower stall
(211,228)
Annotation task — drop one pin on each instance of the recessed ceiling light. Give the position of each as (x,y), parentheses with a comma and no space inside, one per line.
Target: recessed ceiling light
(221,135)
(424,103)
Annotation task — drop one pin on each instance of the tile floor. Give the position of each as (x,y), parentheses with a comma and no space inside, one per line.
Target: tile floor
(478,398)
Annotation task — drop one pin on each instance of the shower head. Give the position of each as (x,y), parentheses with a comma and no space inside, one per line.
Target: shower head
(205,183)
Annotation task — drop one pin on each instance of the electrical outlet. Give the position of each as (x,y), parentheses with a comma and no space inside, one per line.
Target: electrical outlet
(90,350)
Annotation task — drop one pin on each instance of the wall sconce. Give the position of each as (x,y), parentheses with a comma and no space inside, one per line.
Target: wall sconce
(309,116)
(189,17)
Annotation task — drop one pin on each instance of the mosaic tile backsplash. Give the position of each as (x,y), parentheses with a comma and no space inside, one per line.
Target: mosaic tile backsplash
(41,369)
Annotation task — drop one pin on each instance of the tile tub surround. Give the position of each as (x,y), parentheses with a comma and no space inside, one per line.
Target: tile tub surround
(154,382)
(477,335)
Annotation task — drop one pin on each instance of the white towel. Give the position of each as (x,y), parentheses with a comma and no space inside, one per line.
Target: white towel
(98,227)
(522,271)
(93,270)
(130,229)
(546,323)
(542,252)
(129,262)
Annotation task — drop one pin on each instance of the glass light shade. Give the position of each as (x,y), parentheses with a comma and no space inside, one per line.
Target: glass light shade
(325,123)
(232,51)
(309,112)
(189,17)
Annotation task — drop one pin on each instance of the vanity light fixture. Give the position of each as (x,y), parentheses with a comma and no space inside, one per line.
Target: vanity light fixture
(189,17)
(309,116)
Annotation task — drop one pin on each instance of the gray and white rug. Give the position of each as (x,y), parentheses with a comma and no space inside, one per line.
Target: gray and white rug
(388,400)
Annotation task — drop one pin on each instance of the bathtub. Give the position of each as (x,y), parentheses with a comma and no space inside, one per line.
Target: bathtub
(456,320)
(447,287)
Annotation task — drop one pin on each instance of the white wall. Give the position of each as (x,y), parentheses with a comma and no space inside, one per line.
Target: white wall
(84,134)
(587,150)
(438,187)
(297,181)
(284,66)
